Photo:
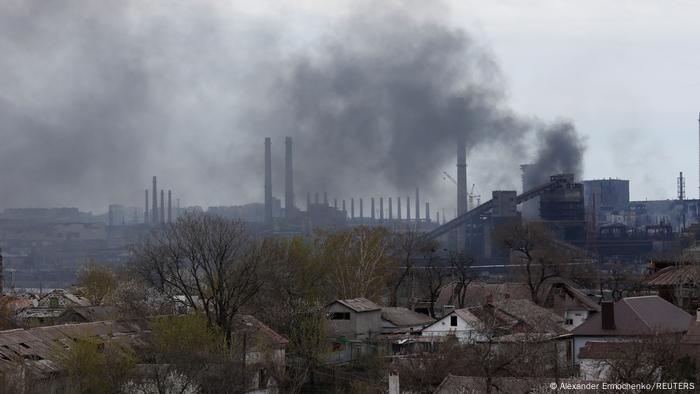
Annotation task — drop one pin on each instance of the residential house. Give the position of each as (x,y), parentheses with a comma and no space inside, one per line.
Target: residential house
(60,298)
(355,319)
(503,318)
(629,319)
(560,295)
(676,282)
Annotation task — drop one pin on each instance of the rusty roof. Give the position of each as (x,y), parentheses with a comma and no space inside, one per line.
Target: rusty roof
(673,275)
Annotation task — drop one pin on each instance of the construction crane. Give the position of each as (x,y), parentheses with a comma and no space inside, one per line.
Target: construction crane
(448,176)
(473,194)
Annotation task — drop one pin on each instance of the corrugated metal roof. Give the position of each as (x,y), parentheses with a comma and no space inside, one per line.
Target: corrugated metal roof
(360,304)
(674,275)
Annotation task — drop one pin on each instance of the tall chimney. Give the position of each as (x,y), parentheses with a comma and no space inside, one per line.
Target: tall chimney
(417,205)
(335,203)
(408,208)
(437,216)
(391,211)
(268,182)
(607,315)
(288,179)
(372,206)
(352,208)
(427,212)
(170,206)
(398,207)
(381,208)
(461,176)
(325,198)
(361,210)
(162,206)
(154,206)
(346,212)
(145,212)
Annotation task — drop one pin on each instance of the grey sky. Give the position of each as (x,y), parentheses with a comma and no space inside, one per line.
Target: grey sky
(176,83)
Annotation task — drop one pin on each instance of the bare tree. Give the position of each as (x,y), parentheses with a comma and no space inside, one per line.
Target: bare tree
(536,251)
(406,247)
(208,263)
(433,275)
(96,282)
(463,274)
(360,260)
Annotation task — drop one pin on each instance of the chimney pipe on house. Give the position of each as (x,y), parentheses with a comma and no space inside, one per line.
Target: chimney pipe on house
(607,315)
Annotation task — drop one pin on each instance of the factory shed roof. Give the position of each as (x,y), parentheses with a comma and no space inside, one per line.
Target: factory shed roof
(358,305)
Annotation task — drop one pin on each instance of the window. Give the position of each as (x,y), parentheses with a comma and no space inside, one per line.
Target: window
(453,321)
(569,321)
(340,316)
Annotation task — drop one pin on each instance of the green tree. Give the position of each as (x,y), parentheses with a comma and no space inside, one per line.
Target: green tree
(98,367)
(96,282)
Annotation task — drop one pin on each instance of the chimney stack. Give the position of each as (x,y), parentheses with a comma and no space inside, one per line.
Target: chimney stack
(154,206)
(162,206)
(461,176)
(427,212)
(372,206)
(352,208)
(607,315)
(288,179)
(381,208)
(325,198)
(145,212)
(344,211)
(398,207)
(391,213)
(408,208)
(335,203)
(437,216)
(417,205)
(170,206)
(361,210)
(268,182)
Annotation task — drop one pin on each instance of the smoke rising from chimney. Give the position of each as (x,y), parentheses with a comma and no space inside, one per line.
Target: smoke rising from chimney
(374,103)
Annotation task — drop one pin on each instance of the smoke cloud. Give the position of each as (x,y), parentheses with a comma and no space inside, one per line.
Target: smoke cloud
(99,96)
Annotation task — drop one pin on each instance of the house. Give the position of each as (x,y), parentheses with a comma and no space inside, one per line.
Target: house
(265,354)
(397,320)
(354,319)
(60,298)
(676,282)
(498,319)
(560,295)
(629,319)
(38,317)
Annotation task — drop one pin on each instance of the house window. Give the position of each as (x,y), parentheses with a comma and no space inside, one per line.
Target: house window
(340,316)
(453,321)
(569,321)
(262,379)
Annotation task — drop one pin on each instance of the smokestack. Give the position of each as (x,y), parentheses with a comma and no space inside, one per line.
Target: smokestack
(335,203)
(268,182)
(288,179)
(361,210)
(145,212)
(427,212)
(372,206)
(381,208)
(391,213)
(461,175)
(607,315)
(352,208)
(325,198)
(437,217)
(170,206)
(162,206)
(398,207)
(408,208)
(154,206)
(417,205)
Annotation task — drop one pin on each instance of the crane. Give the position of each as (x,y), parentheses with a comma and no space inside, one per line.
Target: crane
(472,195)
(448,176)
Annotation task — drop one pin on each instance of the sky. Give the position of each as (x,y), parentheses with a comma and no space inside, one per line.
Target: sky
(97,97)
